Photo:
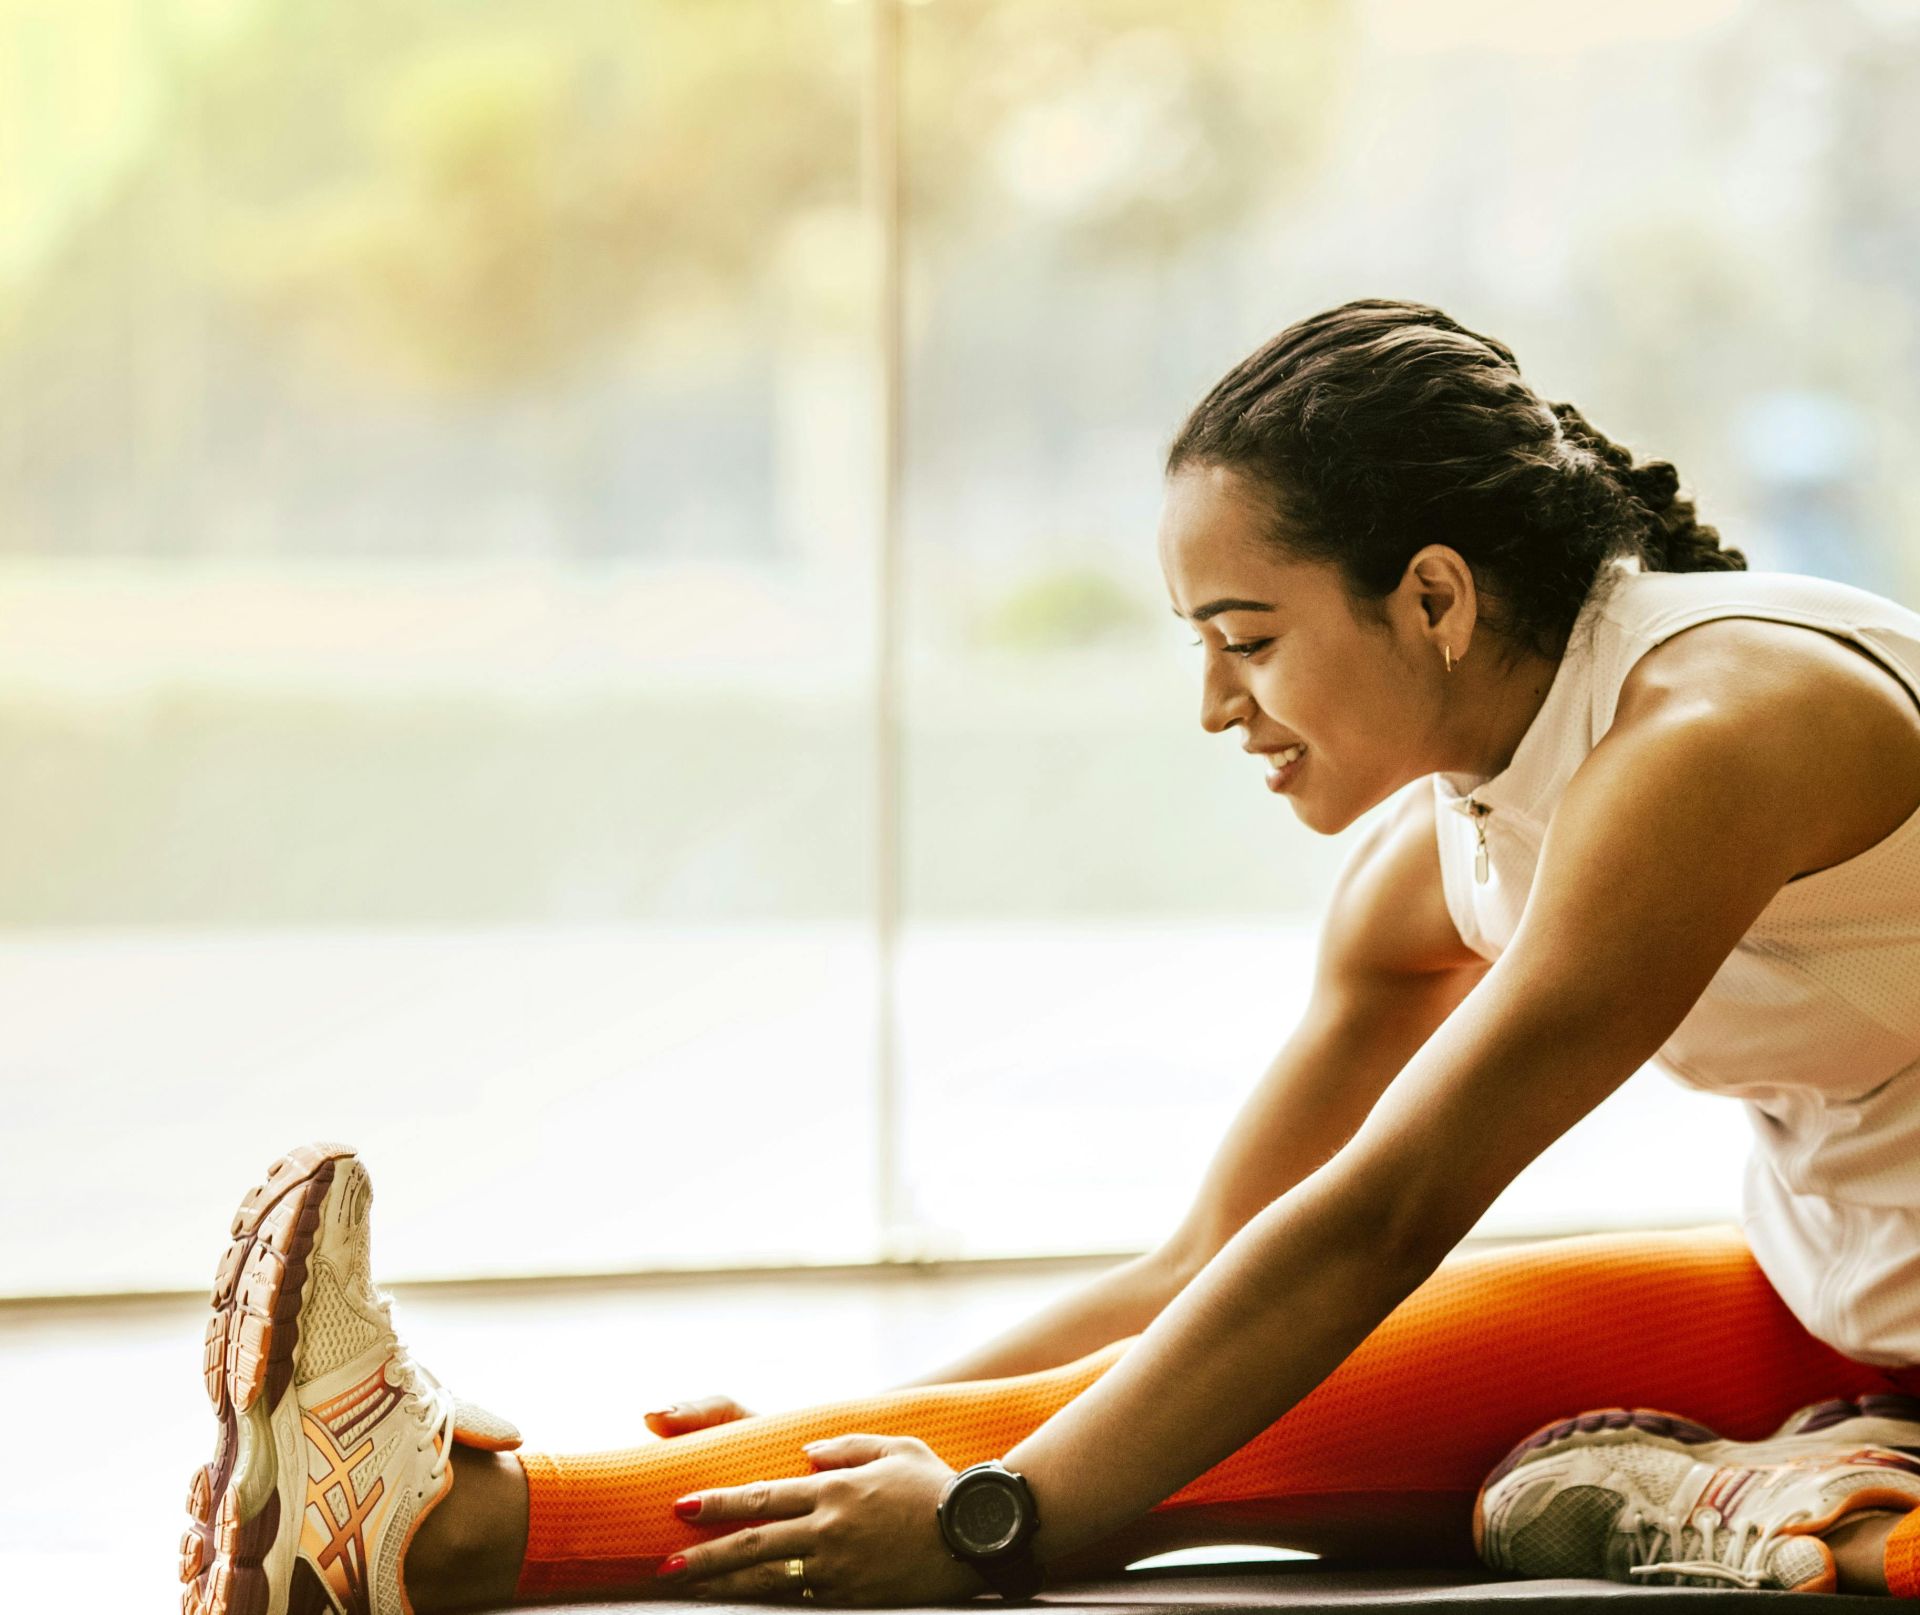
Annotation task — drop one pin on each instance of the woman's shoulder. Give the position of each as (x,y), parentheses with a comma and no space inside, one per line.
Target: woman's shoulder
(1747,640)
(1752,645)
(1649,603)
(1843,725)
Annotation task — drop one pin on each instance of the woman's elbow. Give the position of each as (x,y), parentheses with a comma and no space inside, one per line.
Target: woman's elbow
(1408,1220)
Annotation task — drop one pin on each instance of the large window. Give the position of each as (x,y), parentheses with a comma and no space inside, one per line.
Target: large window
(577,590)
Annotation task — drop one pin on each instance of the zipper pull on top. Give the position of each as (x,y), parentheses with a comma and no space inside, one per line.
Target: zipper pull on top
(1477,811)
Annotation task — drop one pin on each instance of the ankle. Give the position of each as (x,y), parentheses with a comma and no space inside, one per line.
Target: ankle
(469,1550)
(1859,1545)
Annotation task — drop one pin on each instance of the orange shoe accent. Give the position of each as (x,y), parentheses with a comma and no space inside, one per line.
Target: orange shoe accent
(1387,1454)
(334,1524)
(1902,1557)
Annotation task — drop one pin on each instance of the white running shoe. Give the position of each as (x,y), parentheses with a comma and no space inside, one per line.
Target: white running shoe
(1636,1495)
(333,1444)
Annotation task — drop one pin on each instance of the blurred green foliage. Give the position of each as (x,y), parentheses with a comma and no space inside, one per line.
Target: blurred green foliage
(473,195)
(1061,608)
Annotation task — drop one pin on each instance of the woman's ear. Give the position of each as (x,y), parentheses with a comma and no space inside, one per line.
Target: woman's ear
(1440,587)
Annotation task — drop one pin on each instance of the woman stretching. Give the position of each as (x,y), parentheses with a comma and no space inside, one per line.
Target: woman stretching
(1646,803)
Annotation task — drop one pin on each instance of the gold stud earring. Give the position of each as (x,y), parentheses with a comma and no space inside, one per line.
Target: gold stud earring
(1449,654)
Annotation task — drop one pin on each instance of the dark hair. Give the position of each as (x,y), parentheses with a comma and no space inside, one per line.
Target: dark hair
(1380,427)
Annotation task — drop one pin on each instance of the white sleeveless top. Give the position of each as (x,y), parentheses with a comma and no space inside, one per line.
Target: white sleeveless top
(1814,1018)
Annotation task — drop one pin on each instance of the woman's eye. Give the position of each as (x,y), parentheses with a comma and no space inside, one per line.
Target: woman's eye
(1247,649)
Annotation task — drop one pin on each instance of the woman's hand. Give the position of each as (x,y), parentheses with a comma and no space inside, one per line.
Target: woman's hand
(864,1529)
(700,1414)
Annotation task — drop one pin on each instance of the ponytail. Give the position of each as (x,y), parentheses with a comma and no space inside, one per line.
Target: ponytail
(1670,538)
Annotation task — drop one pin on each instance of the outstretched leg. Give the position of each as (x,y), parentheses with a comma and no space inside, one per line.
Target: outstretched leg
(340,1465)
(1381,1462)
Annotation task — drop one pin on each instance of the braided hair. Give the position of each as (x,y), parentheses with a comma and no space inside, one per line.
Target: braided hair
(1380,427)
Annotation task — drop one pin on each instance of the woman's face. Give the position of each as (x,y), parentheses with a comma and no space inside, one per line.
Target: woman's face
(1287,661)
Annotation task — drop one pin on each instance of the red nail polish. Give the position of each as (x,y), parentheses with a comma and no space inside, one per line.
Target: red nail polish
(687,1507)
(673,1566)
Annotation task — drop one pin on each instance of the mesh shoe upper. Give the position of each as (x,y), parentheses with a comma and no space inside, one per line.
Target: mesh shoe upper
(377,1430)
(1630,1504)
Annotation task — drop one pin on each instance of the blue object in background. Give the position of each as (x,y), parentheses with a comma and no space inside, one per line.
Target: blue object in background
(1806,455)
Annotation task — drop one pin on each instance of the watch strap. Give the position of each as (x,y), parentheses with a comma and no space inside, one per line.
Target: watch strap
(1016,1576)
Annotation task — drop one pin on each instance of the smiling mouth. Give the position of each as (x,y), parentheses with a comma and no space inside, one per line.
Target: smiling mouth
(1278,762)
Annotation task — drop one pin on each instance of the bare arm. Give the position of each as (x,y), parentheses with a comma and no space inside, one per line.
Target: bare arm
(1611,954)
(1674,834)
(1391,968)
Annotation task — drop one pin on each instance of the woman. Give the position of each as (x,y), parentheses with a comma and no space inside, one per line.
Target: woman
(1648,804)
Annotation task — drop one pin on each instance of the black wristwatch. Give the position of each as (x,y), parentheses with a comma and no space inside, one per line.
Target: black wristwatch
(987,1518)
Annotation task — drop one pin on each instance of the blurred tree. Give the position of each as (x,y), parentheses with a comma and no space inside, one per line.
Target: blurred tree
(1059,609)
(480,194)
(516,187)
(1132,127)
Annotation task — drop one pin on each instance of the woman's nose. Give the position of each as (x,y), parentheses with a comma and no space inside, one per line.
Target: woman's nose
(1222,703)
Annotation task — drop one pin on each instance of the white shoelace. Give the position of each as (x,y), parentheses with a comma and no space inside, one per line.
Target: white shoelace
(428,1403)
(1741,1556)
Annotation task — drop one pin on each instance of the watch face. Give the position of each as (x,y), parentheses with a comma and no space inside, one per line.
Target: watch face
(986,1515)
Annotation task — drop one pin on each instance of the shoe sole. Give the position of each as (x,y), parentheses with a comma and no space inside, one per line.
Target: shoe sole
(1888,1416)
(233,1502)
(1893,1416)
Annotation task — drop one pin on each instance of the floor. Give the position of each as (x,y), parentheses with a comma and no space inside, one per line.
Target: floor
(106,1396)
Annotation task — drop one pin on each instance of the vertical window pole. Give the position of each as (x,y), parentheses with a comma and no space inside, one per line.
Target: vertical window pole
(881,124)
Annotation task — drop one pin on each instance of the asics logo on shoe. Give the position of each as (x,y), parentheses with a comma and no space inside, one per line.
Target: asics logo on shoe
(334,1527)
(1887,1458)
(1725,1489)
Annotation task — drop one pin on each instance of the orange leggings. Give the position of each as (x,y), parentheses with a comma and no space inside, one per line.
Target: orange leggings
(1381,1461)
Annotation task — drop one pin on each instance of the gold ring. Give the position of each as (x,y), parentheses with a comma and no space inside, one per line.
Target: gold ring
(797,1571)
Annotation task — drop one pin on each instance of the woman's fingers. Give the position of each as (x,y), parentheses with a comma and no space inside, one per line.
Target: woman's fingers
(702,1413)
(753,1549)
(844,1452)
(770,1582)
(762,1500)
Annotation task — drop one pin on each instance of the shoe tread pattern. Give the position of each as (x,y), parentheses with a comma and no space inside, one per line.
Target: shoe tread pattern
(1888,1406)
(248,1356)
(1667,1427)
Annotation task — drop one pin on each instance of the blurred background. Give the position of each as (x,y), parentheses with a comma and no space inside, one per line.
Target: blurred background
(577,592)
